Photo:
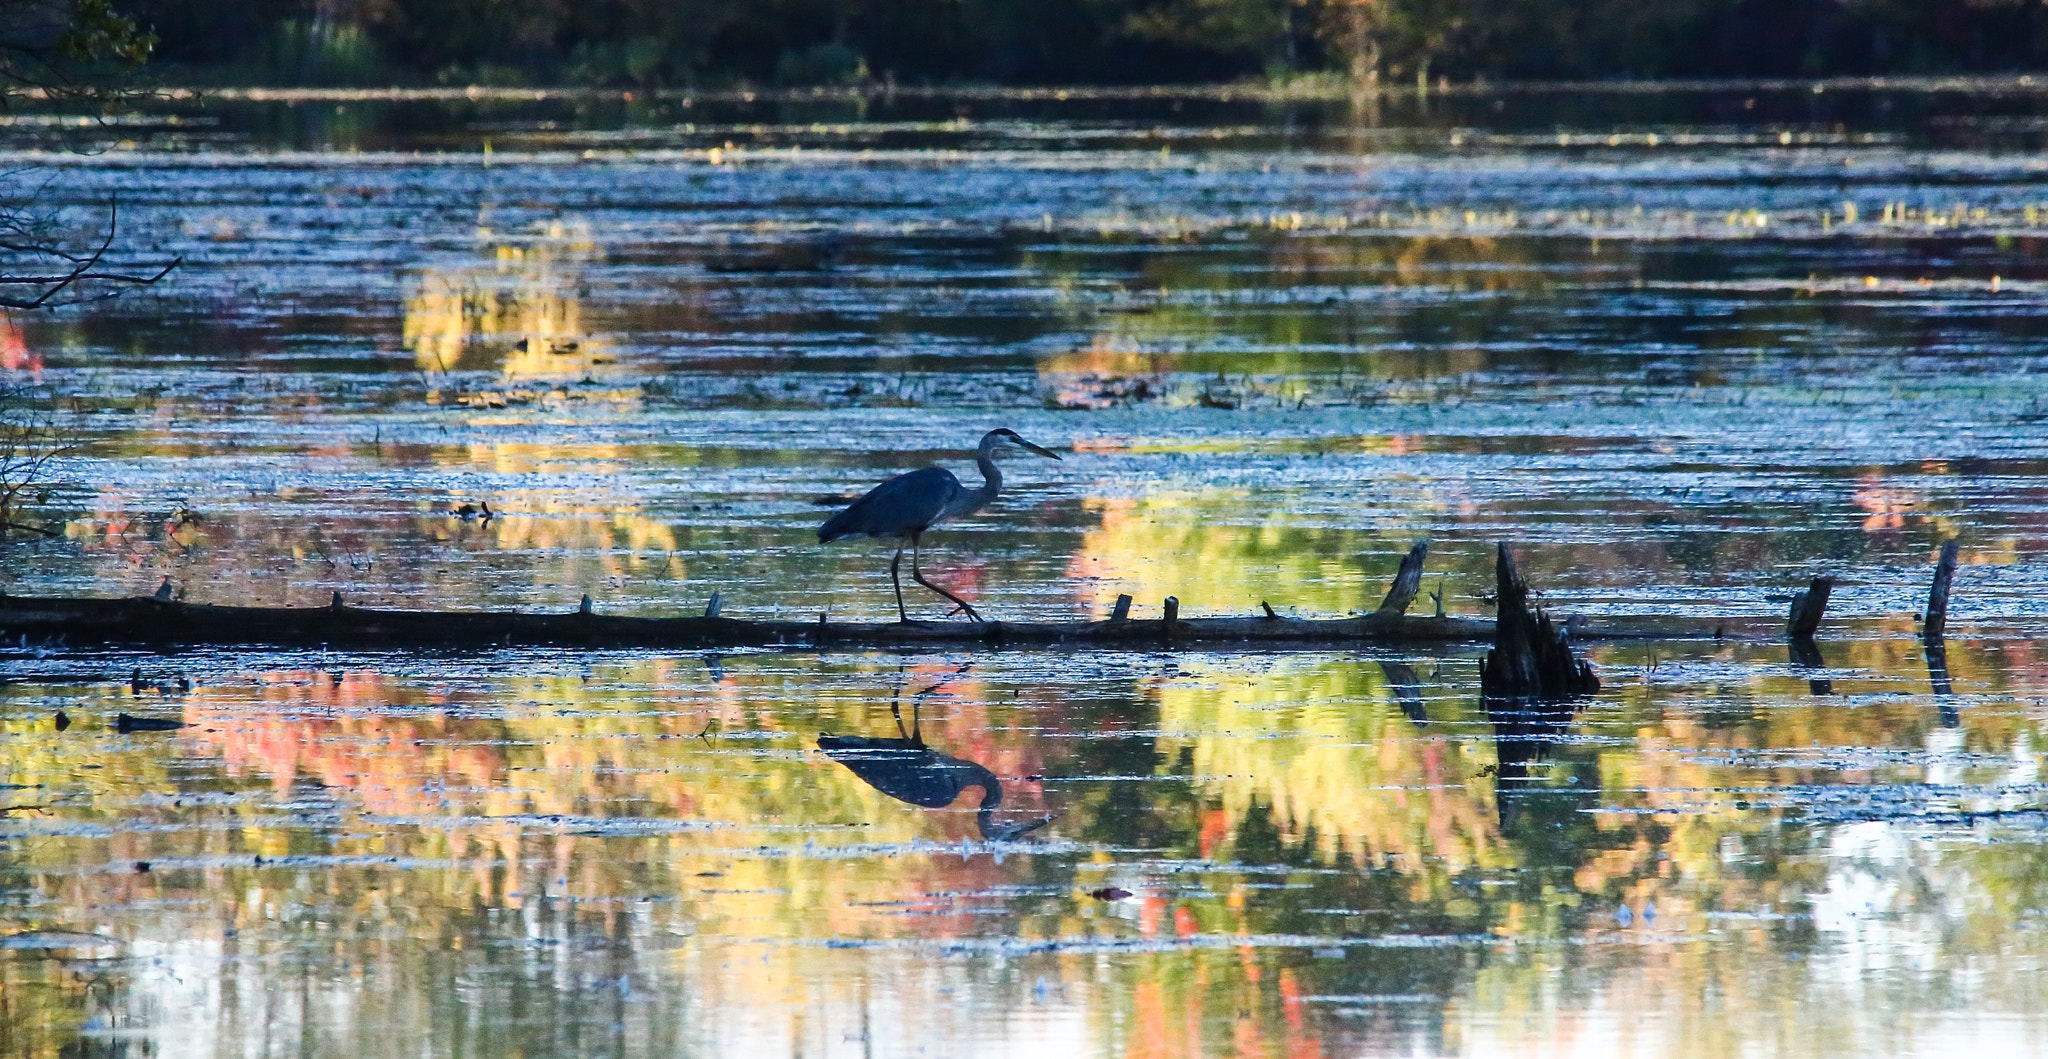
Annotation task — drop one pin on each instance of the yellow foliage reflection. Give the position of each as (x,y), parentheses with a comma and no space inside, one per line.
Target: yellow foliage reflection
(1218,552)
(1336,762)
(522,307)
(640,830)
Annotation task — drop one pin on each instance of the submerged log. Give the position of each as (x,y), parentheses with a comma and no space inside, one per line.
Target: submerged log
(151,622)
(1531,658)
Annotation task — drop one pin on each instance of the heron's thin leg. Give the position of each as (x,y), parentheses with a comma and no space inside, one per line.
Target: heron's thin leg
(918,575)
(896,705)
(897,580)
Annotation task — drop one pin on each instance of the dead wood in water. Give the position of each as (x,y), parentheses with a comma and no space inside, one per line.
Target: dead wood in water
(160,621)
(1531,658)
(1807,608)
(170,623)
(1407,581)
(1936,625)
(153,622)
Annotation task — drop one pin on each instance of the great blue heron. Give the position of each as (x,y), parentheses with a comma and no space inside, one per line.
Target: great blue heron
(909,771)
(905,506)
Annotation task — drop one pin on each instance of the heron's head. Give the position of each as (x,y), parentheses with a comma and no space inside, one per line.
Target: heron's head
(996,441)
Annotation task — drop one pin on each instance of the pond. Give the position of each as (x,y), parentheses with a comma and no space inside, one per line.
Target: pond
(1682,349)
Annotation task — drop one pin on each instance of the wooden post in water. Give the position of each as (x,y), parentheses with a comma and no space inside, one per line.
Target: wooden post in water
(1807,607)
(1531,658)
(1936,625)
(1407,581)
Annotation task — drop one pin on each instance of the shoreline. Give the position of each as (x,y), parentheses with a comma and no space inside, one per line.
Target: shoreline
(1304,90)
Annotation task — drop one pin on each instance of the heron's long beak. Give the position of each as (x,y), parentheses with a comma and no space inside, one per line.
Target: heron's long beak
(1047,453)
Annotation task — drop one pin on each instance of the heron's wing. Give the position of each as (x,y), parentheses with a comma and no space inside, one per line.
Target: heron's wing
(898,507)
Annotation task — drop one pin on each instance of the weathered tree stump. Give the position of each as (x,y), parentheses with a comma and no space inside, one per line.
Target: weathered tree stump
(1935,625)
(1407,581)
(1531,658)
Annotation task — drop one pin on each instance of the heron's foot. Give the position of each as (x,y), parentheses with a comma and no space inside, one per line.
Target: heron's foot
(972,614)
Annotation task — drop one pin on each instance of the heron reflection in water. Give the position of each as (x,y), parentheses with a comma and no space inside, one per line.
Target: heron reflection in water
(905,506)
(905,769)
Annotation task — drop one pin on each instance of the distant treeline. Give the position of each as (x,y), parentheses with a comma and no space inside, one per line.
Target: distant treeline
(809,42)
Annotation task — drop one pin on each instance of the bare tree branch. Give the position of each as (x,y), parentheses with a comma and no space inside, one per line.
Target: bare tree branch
(33,437)
(84,268)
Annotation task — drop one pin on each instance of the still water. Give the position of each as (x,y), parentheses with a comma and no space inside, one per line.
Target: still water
(1682,349)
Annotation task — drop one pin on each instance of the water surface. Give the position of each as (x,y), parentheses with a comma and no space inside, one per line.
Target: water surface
(1682,350)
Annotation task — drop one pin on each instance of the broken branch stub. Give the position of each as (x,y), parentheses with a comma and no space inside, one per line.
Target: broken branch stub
(1808,606)
(1407,581)
(1531,657)
(1936,625)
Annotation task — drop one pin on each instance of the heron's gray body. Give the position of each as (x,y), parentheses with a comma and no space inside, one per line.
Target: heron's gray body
(905,506)
(912,503)
(905,769)
(909,771)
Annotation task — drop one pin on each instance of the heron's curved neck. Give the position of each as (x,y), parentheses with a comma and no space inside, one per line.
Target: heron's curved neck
(991,796)
(992,476)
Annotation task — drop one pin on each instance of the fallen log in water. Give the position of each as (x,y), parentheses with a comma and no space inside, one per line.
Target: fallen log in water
(164,621)
(156,622)
(167,623)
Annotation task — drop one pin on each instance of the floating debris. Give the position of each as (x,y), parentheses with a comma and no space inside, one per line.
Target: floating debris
(128,723)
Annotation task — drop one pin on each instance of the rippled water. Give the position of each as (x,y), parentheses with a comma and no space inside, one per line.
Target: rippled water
(1682,349)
